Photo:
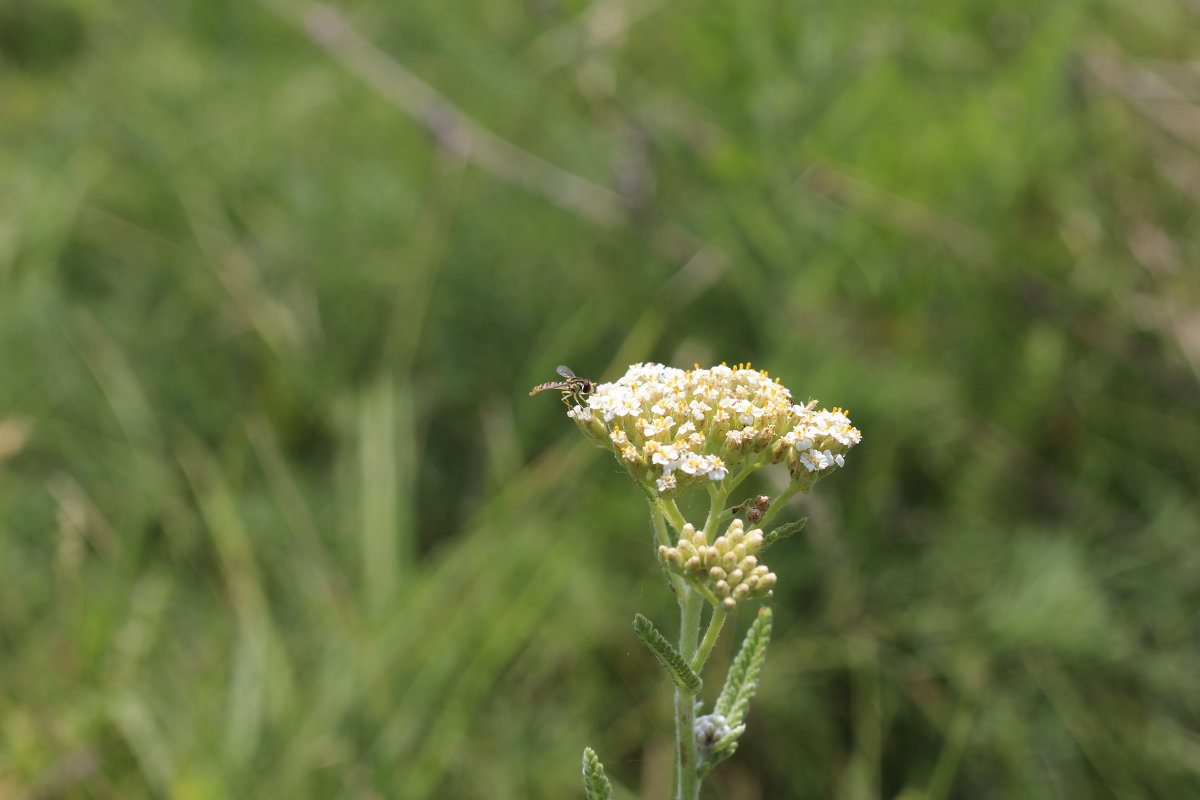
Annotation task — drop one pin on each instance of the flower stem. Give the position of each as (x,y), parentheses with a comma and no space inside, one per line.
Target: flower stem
(716,498)
(664,539)
(660,528)
(686,757)
(732,483)
(715,623)
(670,512)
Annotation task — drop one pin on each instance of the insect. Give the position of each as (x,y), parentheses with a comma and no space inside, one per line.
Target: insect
(573,387)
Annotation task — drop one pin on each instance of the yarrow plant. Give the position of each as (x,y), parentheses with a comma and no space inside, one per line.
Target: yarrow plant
(678,432)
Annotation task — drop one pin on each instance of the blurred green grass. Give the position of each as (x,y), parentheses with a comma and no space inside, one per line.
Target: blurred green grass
(279,520)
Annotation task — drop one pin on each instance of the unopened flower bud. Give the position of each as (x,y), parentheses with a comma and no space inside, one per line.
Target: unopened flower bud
(736,576)
(722,587)
(717,574)
(763,439)
(592,427)
(740,592)
(709,730)
(729,603)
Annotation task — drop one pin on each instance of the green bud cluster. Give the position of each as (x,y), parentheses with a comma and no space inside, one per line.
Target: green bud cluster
(729,566)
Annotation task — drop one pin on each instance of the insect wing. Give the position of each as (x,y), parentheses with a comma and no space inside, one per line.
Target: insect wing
(565,371)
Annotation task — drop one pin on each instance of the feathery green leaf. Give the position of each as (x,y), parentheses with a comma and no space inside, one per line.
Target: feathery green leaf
(675,664)
(596,785)
(782,532)
(742,680)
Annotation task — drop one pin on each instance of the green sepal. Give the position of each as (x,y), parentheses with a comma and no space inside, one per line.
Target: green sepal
(742,680)
(681,674)
(782,532)
(596,785)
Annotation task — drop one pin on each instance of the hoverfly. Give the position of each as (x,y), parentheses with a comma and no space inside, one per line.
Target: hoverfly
(573,387)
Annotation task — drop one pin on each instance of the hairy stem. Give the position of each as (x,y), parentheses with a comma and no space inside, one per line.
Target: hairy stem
(664,539)
(717,500)
(715,624)
(686,756)
(670,512)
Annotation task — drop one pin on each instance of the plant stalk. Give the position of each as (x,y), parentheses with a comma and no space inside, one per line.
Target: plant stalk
(715,623)
(686,755)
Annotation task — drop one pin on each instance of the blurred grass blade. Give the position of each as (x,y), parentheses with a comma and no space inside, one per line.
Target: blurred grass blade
(386,456)
(249,684)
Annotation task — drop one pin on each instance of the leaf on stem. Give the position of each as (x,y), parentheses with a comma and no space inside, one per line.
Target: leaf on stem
(742,680)
(782,532)
(740,685)
(675,664)
(595,783)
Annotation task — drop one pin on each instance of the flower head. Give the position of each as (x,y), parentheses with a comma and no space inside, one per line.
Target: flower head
(729,567)
(677,429)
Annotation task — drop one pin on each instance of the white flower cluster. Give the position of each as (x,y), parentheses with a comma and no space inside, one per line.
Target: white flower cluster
(676,428)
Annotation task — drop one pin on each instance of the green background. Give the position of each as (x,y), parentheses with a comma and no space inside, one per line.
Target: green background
(280,520)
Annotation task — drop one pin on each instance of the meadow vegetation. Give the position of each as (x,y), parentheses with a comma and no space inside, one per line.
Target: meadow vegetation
(279,520)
